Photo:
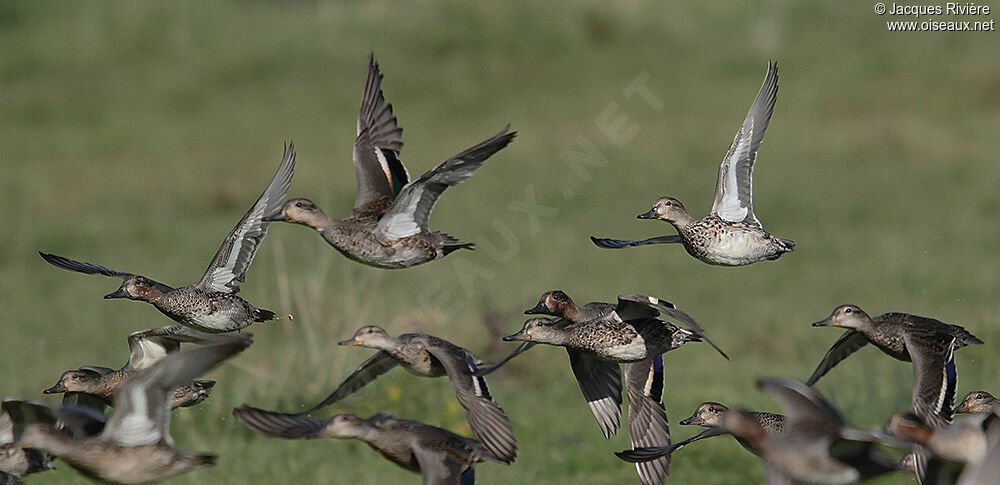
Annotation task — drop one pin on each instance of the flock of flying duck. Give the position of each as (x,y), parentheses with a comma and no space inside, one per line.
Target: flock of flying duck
(388,228)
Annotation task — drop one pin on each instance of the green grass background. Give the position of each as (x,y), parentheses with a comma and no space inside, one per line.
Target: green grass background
(135,135)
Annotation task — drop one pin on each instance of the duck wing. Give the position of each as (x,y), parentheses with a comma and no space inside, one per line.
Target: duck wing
(368,371)
(492,367)
(16,414)
(440,467)
(800,402)
(229,266)
(278,425)
(647,419)
(601,383)
(147,347)
(666,308)
(412,207)
(377,168)
(142,411)
(637,455)
(847,344)
(935,378)
(734,188)
(485,416)
(81,267)
(608,243)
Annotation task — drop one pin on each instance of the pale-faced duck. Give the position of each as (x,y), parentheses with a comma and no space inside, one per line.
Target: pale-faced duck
(978,402)
(211,304)
(388,227)
(440,456)
(928,343)
(730,235)
(428,356)
(146,348)
(135,445)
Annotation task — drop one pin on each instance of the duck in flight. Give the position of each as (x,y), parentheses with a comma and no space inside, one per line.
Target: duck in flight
(388,227)
(209,305)
(730,235)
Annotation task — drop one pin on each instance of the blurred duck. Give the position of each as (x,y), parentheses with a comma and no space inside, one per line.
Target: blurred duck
(211,304)
(428,356)
(928,343)
(388,227)
(730,235)
(146,348)
(978,402)
(964,452)
(17,461)
(813,446)
(135,445)
(440,456)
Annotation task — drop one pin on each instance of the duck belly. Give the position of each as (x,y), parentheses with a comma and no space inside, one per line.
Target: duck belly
(633,351)
(739,248)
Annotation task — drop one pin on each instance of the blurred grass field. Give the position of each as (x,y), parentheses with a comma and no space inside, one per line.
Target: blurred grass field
(135,135)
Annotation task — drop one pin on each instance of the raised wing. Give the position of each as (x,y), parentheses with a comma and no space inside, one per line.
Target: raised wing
(734,189)
(368,371)
(142,411)
(376,150)
(800,402)
(278,425)
(607,243)
(81,267)
(229,266)
(485,416)
(647,420)
(934,378)
(19,414)
(601,383)
(409,213)
(847,344)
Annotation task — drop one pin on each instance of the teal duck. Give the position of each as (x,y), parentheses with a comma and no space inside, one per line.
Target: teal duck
(17,461)
(928,343)
(814,445)
(440,456)
(428,356)
(966,451)
(135,445)
(730,235)
(712,414)
(146,348)
(978,402)
(388,227)
(211,304)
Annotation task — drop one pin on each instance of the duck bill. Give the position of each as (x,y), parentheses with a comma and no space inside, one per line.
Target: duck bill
(350,342)
(56,389)
(119,293)
(538,309)
(650,214)
(693,420)
(962,408)
(520,336)
(829,322)
(279,217)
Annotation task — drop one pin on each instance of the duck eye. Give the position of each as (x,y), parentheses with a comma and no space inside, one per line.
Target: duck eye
(298,204)
(76,376)
(848,310)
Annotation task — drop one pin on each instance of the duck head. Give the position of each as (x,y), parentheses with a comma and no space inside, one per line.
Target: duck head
(977,402)
(846,316)
(300,211)
(78,380)
(668,209)
(346,426)
(542,330)
(136,287)
(371,336)
(552,302)
(708,414)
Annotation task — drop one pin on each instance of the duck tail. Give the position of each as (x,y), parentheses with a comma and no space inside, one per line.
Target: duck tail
(450,244)
(788,243)
(264,315)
